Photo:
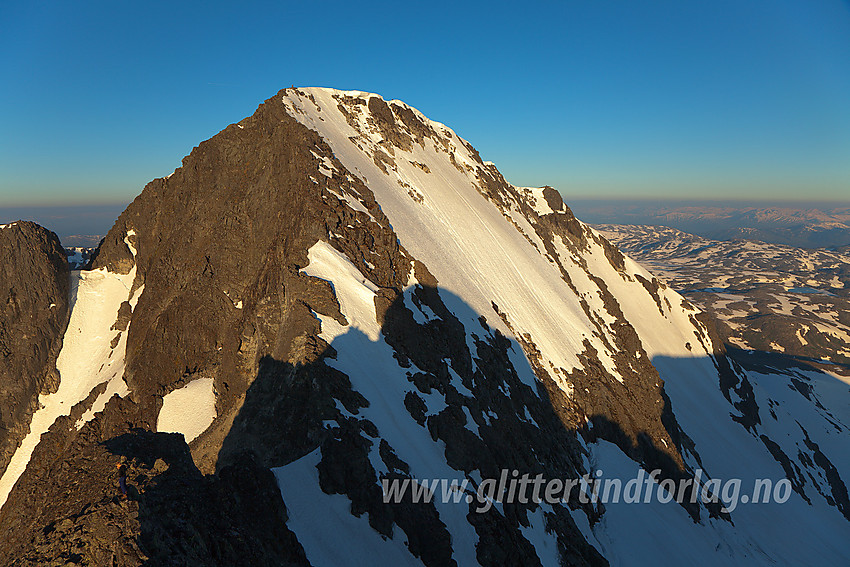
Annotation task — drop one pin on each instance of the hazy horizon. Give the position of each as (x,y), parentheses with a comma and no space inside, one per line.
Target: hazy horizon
(78,224)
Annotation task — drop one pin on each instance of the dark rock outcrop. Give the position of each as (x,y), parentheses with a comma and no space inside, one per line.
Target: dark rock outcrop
(67,509)
(34,280)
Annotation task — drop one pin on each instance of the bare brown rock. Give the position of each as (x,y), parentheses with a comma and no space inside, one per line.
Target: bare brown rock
(34,282)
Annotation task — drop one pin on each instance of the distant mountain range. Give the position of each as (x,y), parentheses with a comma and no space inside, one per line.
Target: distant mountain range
(805,225)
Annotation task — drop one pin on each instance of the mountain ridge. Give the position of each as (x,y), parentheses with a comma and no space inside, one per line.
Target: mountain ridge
(364,298)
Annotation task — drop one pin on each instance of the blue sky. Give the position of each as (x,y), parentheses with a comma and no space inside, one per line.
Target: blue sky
(602,98)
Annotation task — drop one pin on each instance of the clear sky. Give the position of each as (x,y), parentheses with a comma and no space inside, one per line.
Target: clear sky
(720,99)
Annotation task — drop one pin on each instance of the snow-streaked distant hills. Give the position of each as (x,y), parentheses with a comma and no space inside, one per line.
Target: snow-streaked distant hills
(806,225)
(768,297)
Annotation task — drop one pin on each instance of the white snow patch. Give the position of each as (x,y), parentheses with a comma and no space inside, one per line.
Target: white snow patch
(237,304)
(115,385)
(435,401)
(188,410)
(352,201)
(470,423)
(419,315)
(544,542)
(326,168)
(355,293)
(538,202)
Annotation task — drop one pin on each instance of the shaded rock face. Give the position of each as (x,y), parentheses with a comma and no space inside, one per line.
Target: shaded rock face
(173,514)
(288,403)
(34,281)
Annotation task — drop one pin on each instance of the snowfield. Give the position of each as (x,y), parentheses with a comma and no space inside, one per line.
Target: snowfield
(470,248)
(188,410)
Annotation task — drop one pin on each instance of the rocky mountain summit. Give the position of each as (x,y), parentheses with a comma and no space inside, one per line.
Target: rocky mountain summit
(337,292)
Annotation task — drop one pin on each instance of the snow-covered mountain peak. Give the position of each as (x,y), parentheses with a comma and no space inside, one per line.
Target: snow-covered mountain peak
(463,219)
(338,291)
